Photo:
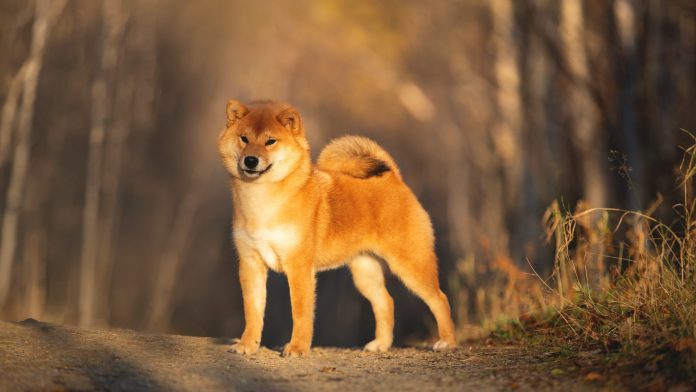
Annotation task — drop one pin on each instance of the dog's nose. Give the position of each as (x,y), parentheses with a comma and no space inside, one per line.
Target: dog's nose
(251,161)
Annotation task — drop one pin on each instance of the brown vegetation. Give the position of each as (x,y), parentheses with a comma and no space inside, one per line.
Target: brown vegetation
(624,283)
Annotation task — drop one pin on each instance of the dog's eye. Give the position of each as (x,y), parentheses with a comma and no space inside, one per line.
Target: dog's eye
(270,142)
(244,139)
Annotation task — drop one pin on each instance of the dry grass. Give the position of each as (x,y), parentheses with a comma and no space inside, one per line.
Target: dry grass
(623,283)
(626,282)
(491,295)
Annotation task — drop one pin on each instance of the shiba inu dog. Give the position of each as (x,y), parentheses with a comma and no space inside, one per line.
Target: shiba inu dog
(352,208)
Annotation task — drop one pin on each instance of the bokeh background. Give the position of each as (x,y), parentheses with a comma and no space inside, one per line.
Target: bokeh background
(116,211)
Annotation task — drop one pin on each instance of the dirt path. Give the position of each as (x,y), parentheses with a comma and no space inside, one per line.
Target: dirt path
(39,356)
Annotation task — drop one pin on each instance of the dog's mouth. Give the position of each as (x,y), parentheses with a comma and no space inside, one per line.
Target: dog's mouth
(256,173)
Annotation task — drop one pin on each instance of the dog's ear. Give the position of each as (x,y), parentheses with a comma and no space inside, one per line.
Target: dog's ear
(235,111)
(290,119)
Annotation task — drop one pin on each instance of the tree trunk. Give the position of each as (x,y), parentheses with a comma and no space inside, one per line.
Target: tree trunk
(47,13)
(172,259)
(34,255)
(102,93)
(625,15)
(9,112)
(583,111)
(506,131)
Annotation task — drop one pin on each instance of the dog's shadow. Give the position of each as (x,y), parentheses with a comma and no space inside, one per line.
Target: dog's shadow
(227,341)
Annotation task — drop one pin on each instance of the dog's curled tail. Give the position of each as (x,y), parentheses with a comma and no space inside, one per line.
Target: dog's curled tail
(358,157)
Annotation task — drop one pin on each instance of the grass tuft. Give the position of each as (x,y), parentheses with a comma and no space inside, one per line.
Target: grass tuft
(623,288)
(625,282)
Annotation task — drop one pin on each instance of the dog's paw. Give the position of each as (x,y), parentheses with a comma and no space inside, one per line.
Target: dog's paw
(378,346)
(245,348)
(441,345)
(295,350)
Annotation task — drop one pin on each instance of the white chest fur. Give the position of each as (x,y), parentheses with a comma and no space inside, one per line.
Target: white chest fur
(271,244)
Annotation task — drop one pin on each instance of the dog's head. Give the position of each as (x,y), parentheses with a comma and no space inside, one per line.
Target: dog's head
(263,141)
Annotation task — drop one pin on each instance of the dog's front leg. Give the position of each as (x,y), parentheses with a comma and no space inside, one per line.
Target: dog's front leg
(302,282)
(252,277)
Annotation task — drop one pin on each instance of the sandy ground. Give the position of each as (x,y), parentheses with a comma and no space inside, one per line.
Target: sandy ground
(46,357)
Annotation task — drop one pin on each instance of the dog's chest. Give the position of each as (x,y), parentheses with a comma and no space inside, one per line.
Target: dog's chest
(272,244)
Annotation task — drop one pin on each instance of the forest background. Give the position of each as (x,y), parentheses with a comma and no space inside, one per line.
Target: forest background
(115,207)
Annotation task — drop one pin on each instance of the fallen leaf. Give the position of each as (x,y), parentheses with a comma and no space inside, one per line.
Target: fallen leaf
(685,344)
(589,354)
(557,372)
(657,385)
(681,388)
(593,376)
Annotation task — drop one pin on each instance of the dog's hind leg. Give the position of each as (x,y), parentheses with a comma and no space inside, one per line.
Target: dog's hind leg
(369,279)
(419,273)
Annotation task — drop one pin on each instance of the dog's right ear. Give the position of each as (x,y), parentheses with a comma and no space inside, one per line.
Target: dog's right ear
(235,112)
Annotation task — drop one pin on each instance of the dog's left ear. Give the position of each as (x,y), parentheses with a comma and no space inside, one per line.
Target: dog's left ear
(290,119)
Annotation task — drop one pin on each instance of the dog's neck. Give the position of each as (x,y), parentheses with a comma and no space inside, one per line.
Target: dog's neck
(257,201)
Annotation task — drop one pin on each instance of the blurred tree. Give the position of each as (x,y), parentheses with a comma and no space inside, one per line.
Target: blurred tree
(46,14)
(114,20)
